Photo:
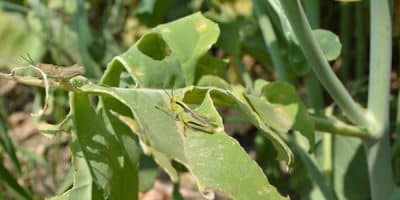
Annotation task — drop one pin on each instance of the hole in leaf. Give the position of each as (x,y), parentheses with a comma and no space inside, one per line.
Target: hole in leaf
(208,194)
(154,46)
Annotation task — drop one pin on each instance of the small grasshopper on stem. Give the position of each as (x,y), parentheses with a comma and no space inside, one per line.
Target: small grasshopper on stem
(57,72)
(184,114)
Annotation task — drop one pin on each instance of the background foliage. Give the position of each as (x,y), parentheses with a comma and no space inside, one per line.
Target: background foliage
(219,57)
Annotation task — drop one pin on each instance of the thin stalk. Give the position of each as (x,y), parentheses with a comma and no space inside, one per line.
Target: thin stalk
(271,41)
(315,96)
(314,91)
(320,65)
(361,42)
(312,8)
(328,159)
(378,151)
(345,37)
(244,74)
(339,128)
(32,81)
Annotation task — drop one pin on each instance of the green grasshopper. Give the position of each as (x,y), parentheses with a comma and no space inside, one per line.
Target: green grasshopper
(184,114)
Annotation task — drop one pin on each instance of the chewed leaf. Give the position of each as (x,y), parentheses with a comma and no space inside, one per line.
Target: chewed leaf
(284,96)
(284,152)
(161,53)
(272,115)
(198,149)
(208,111)
(103,170)
(231,165)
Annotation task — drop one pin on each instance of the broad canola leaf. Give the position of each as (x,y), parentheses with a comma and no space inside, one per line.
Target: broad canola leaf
(351,169)
(164,140)
(167,50)
(162,59)
(103,169)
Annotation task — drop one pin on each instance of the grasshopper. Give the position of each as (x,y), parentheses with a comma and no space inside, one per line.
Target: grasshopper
(184,114)
(57,72)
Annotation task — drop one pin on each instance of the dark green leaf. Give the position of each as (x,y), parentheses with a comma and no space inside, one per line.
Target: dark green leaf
(7,179)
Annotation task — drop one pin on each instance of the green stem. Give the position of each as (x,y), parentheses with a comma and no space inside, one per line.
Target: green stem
(360,40)
(314,91)
(271,41)
(339,127)
(345,36)
(315,97)
(320,65)
(328,157)
(312,8)
(244,74)
(378,151)
(32,81)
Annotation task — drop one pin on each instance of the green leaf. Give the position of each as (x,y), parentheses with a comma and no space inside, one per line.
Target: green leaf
(213,81)
(172,145)
(229,39)
(17,41)
(7,179)
(327,40)
(67,182)
(272,115)
(209,65)
(176,195)
(84,186)
(298,62)
(100,157)
(158,60)
(329,43)
(255,46)
(284,153)
(351,171)
(231,165)
(162,53)
(6,143)
(230,162)
(284,95)
(313,172)
(84,39)
(151,121)
(146,6)
(148,171)
(153,12)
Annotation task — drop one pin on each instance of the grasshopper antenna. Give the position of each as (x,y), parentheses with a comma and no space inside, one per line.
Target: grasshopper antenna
(28,59)
(165,91)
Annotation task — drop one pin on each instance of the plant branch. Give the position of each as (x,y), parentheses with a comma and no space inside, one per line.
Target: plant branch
(320,65)
(32,81)
(339,128)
